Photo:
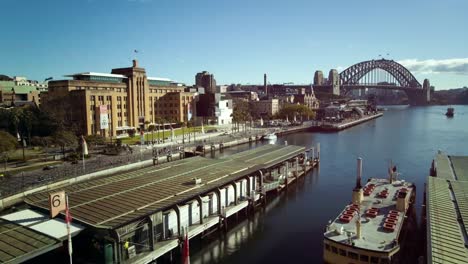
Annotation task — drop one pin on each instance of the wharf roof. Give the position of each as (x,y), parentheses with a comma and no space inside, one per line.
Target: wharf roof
(20,243)
(452,167)
(111,202)
(447,215)
(373,236)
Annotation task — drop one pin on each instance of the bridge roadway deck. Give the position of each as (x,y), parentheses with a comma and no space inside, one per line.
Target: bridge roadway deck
(117,200)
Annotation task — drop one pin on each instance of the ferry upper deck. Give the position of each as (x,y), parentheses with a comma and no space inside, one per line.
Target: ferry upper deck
(381,217)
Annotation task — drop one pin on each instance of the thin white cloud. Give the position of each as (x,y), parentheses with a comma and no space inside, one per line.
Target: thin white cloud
(457,66)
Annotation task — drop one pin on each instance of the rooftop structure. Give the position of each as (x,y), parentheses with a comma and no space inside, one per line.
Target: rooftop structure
(447,210)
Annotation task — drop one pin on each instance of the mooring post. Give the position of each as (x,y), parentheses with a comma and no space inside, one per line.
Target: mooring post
(297,167)
(318,152)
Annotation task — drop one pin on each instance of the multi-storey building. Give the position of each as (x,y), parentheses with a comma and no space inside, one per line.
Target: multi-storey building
(206,80)
(112,104)
(307,98)
(19,90)
(268,107)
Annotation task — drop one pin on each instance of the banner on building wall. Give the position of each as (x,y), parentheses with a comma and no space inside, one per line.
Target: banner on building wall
(103,117)
(189,112)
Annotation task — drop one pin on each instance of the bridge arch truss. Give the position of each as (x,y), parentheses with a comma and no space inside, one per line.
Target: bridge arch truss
(354,73)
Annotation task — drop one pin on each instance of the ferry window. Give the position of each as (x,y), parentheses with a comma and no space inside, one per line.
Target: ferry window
(327,247)
(353,255)
(384,261)
(364,258)
(342,252)
(334,250)
(374,260)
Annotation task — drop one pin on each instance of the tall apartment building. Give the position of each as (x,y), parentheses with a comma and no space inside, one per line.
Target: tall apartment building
(206,80)
(112,104)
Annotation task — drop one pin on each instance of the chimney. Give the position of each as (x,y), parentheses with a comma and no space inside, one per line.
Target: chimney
(358,228)
(265,87)
(359,173)
(135,63)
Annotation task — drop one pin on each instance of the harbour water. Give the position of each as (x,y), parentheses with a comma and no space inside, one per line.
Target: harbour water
(290,229)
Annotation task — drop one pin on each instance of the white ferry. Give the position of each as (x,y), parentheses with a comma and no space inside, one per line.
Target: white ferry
(368,230)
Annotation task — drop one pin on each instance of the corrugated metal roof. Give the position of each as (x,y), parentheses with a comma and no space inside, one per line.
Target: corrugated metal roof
(116,200)
(460,165)
(444,169)
(19,243)
(446,242)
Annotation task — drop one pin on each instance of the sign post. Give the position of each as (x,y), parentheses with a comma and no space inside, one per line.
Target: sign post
(58,202)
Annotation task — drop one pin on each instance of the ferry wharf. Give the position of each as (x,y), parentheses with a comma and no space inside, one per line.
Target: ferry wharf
(445,213)
(143,215)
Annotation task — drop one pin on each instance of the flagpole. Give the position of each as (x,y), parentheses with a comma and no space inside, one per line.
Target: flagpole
(67,219)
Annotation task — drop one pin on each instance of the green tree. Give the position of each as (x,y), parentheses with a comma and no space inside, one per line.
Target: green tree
(240,113)
(7,144)
(65,139)
(301,111)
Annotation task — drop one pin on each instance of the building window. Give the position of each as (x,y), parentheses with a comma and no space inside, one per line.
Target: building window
(93,98)
(109,98)
(334,249)
(374,260)
(327,247)
(342,252)
(101,98)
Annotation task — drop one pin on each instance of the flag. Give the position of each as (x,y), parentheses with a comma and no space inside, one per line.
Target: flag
(48,79)
(84,146)
(18,136)
(136,51)
(186,253)
(68,220)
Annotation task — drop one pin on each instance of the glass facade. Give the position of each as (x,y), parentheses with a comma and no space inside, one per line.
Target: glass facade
(98,78)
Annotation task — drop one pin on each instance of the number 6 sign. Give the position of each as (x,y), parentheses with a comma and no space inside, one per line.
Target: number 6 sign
(57,203)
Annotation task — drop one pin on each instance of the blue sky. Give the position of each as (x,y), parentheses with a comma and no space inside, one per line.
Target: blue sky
(237,40)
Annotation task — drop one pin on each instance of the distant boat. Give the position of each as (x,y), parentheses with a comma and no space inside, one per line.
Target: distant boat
(270,136)
(450,112)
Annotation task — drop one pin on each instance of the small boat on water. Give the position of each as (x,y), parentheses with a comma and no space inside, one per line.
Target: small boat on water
(270,136)
(373,226)
(450,112)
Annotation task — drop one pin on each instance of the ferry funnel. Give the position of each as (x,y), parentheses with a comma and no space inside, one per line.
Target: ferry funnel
(359,173)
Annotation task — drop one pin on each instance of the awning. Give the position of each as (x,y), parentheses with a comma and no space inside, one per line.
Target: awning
(27,234)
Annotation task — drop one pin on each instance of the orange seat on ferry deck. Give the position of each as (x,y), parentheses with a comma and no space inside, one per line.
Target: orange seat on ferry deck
(390,216)
(371,214)
(345,218)
(394,212)
(391,221)
(389,227)
(348,213)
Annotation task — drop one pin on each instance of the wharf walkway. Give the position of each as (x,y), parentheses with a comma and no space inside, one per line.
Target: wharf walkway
(341,126)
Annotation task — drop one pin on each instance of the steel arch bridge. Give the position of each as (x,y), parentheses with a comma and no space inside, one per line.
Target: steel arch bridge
(385,74)
(401,76)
